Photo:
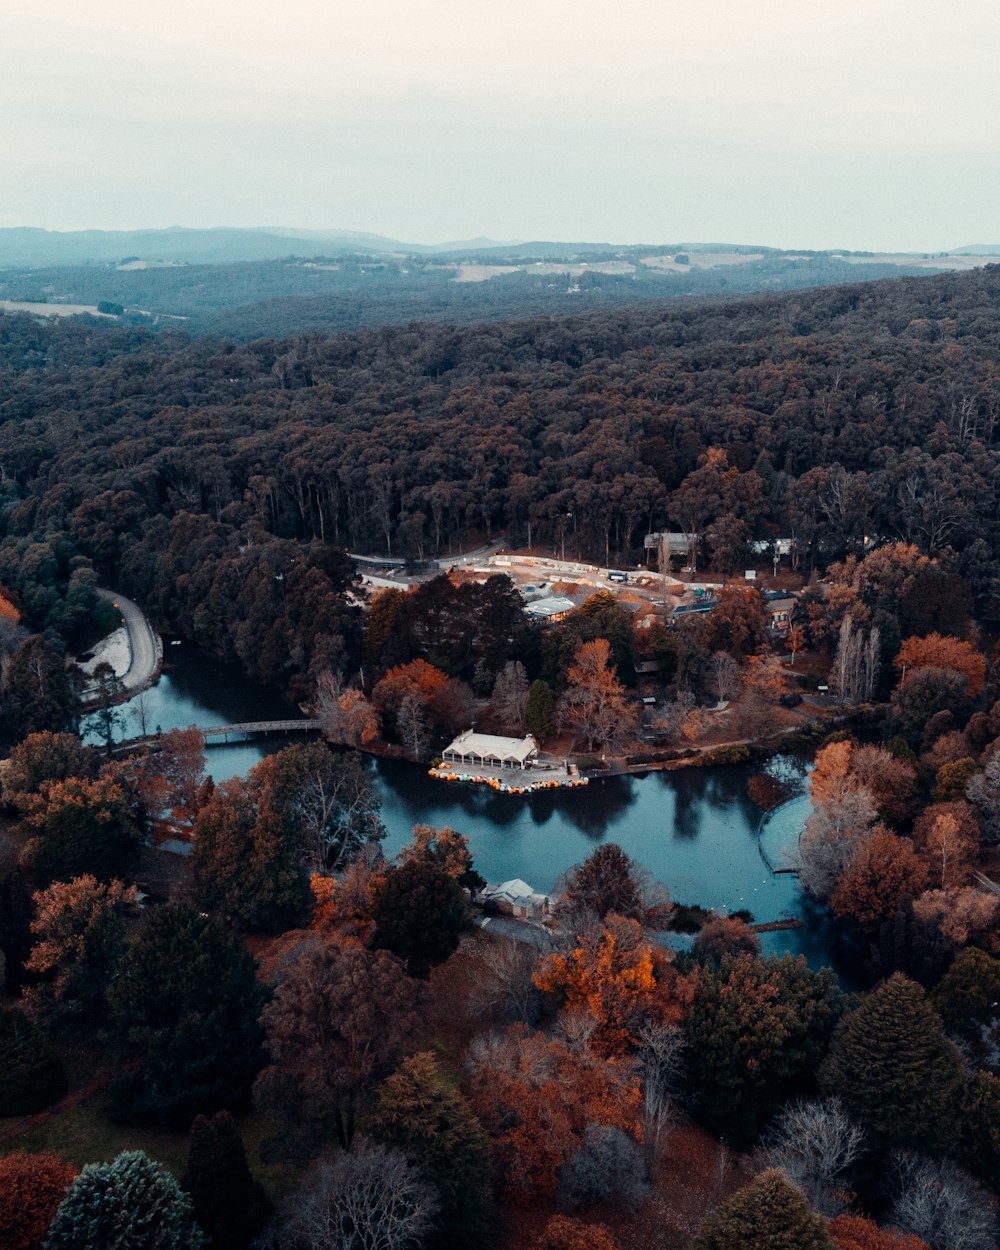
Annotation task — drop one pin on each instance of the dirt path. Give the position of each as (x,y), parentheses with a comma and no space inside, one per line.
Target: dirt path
(72,1099)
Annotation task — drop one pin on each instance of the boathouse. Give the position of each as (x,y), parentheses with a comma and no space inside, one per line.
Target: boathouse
(474,750)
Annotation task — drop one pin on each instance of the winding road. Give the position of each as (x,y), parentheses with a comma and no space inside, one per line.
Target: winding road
(145,645)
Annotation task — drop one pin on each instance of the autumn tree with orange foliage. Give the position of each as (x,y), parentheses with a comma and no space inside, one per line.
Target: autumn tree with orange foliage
(79,928)
(941,651)
(617,979)
(883,870)
(535,1097)
(343,905)
(32,1187)
(843,766)
(418,676)
(7,610)
(947,835)
(172,776)
(854,1232)
(594,704)
(79,827)
(562,1232)
(346,715)
(445,848)
(831,770)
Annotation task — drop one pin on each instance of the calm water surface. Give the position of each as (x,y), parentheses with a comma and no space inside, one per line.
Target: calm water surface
(695,830)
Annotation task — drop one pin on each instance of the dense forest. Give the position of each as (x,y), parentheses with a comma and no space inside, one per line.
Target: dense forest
(862,410)
(322,1045)
(281,297)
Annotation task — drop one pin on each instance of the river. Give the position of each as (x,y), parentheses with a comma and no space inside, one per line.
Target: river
(693,829)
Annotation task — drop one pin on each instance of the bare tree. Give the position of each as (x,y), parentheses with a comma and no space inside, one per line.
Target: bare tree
(832,832)
(510,696)
(605,1167)
(871,663)
(661,1054)
(346,715)
(725,675)
(371,1198)
(577,1027)
(940,1203)
(414,728)
(508,985)
(857,663)
(663,558)
(815,1144)
(674,714)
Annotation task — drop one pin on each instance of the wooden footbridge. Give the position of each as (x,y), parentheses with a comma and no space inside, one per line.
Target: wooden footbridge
(219,735)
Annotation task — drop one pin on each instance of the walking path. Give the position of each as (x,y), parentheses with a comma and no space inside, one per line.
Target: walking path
(134,651)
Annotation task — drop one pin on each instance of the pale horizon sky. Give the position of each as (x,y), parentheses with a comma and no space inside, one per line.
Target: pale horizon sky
(867,125)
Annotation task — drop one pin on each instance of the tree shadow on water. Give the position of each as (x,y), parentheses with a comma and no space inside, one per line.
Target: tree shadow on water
(591,809)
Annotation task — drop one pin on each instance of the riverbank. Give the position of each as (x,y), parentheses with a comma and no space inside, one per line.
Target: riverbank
(134,653)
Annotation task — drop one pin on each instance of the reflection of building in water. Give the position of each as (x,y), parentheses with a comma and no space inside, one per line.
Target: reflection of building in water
(490,751)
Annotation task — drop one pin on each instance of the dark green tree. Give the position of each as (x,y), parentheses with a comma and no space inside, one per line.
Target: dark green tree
(608,880)
(600,616)
(755,1033)
(249,863)
(184,1010)
(768,1214)
(968,995)
(16,912)
(36,693)
(229,1205)
(79,827)
(126,1204)
(45,757)
(979,1127)
(894,1070)
(420,914)
(539,716)
(31,1073)
(421,1113)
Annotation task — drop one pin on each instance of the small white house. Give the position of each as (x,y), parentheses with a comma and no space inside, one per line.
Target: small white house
(516,898)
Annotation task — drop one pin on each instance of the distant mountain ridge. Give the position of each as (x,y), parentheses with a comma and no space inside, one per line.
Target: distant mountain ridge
(32,246)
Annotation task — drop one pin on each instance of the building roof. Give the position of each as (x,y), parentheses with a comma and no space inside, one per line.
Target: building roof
(551,606)
(471,743)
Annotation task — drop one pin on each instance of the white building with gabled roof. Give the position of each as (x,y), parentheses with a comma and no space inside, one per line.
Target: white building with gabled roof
(490,751)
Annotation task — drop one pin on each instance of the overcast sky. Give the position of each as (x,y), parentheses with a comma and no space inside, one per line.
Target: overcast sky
(870,124)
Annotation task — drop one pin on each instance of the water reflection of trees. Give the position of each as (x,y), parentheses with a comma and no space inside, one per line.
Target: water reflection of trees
(591,809)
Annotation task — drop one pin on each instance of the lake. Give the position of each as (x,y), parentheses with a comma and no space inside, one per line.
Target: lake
(694,829)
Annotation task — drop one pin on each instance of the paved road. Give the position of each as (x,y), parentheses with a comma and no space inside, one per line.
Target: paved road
(145,646)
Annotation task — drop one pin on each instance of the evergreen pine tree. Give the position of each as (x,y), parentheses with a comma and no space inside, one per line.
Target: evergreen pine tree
(31,1073)
(769,1214)
(229,1204)
(185,1009)
(894,1070)
(425,1117)
(129,1203)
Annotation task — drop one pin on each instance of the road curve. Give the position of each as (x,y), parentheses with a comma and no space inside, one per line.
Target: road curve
(145,645)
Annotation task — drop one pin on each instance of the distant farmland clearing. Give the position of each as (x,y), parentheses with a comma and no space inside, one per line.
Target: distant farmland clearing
(51,310)
(480,273)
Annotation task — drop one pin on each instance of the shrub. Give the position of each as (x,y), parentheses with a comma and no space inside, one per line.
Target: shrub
(32,1188)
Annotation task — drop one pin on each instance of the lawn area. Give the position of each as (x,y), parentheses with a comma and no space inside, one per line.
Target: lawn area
(79,1129)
